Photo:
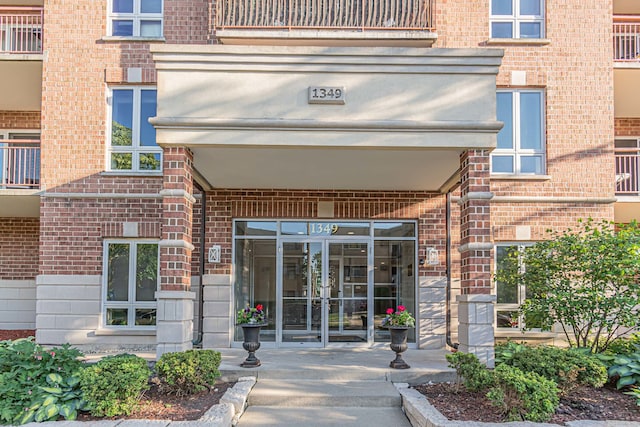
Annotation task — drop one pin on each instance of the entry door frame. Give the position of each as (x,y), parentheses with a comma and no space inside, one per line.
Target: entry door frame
(325,294)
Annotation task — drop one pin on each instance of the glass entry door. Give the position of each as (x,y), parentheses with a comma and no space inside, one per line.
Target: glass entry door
(324,292)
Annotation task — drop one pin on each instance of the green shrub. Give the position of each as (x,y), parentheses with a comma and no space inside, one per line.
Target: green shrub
(635,392)
(566,367)
(38,384)
(114,385)
(476,376)
(626,368)
(189,371)
(504,352)
(523,396)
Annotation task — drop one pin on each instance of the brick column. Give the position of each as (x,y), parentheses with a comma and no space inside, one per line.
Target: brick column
(476,304)
(175,301)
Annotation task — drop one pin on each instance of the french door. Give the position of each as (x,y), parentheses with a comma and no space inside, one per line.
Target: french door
(324,292)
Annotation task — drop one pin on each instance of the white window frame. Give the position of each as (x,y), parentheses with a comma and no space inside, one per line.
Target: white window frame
(516,19)
(131,304)
(136,16)
(516,151)
(135,149)
(521,291)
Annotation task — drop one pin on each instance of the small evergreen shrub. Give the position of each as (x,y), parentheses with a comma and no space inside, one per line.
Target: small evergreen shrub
(114,385)
(188,372)
(523,396)
(474,374)
(566,367)
(38,384)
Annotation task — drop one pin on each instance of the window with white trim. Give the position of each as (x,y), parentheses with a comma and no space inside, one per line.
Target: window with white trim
(131,272)
(511,296)
(520,148)
(517,19)
(132,145)
(135,18)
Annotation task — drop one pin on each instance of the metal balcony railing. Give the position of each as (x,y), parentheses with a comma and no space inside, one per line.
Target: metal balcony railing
(628,171)
(626,38)
(19,163)
(325,14)
(21,29)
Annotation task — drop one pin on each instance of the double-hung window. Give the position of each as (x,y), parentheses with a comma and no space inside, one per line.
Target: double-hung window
(520,148)
(510,296)
(131,279)
(135,18)
(133,145)
(517,19)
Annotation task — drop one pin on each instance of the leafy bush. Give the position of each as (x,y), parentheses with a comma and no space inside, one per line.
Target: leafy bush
(504,352)
(189,371)
(635,392)
(523,396)
(114,385)
(476,376)
(566,367)
(38,384)
(626,368)
(585,280)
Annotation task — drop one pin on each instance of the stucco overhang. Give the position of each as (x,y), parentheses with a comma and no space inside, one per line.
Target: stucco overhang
(408,113)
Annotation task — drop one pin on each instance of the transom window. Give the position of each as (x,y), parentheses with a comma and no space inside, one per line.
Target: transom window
(135,18)
(517,19)
(132,144)
(131,280)
(520,148)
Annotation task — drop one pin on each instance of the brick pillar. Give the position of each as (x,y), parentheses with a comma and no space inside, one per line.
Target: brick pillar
(175,301)
(476,304)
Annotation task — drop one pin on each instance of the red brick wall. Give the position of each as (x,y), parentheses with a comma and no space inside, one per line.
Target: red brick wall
(225,205)
(18,248)
(19,119)
(577,79)
(75,75)
(628,127)
(72,229)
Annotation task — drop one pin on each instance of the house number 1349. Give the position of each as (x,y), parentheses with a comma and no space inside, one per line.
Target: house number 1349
(326,95)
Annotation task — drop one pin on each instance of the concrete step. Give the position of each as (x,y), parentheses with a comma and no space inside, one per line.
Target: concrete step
(271,416)
(312,393)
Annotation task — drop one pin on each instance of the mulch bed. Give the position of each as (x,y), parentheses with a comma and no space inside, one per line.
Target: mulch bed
(583,403)
(15,334)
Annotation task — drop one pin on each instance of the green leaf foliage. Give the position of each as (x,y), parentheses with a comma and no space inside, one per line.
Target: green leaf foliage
(35,382)
(523,396)
(585,280)
(114,385)
(568,368)
(626,369)
(188,372)
(474,375)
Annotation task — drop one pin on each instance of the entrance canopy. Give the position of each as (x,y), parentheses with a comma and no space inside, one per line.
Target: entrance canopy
(326,118)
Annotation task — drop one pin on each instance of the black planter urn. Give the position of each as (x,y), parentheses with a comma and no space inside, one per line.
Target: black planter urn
(399,345)
(251,343)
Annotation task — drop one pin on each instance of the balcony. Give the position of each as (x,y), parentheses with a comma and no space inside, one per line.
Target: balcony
(326,23)
(20,164)
(626,39)
(21,30)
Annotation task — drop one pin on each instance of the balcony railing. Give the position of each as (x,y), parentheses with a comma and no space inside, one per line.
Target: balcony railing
(19,163)
(21,29)
(325,14)
(626,39)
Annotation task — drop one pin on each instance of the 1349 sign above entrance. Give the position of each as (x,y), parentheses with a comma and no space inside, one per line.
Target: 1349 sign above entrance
(326,95)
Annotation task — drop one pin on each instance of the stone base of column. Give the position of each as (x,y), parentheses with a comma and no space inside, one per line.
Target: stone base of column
(475,328)
(218,317)
(174,321)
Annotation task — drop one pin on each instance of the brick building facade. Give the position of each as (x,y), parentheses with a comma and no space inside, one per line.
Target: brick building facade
(402,189)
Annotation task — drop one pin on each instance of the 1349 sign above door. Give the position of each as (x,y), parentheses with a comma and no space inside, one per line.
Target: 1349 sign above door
(326,95)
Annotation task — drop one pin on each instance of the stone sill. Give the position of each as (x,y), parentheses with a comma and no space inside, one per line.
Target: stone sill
(517,333)
(514,177)
(154,174)
(130,332)
(518,42)
(131,39)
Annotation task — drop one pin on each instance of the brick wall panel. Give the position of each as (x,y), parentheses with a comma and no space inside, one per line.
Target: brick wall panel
(19,248)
